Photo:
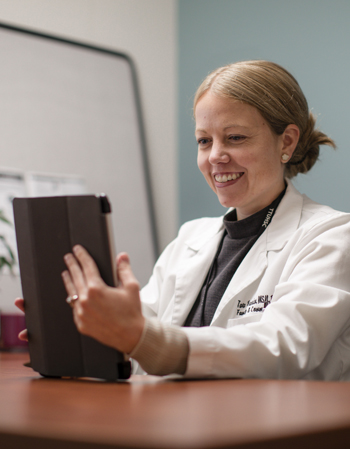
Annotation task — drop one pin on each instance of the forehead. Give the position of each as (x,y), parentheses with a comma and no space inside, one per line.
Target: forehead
(215,111)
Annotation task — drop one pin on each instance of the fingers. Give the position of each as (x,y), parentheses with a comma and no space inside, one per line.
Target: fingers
(87,263)
(19,302)
(68,283)
(23,335)
(81,277)
(82,269)
(125,274)
(122,257)
(75,280)
(111,315)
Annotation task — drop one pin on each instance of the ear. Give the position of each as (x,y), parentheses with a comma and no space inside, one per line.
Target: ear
(290,139)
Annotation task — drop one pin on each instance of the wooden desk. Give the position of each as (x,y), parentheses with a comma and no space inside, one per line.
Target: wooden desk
(147,412)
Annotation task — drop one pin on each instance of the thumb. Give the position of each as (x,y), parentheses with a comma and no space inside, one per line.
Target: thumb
(124,272)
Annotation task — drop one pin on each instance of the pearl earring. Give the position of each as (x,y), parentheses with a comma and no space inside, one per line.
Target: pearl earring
(285,157)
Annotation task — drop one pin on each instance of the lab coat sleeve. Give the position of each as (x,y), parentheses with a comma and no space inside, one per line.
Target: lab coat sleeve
(309,312)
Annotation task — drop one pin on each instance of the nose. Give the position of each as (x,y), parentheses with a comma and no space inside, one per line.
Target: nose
(218,154)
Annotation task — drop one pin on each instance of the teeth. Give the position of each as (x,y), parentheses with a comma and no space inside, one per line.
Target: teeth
(226,178)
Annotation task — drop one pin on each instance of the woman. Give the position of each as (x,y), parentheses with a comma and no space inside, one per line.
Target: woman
(261,292)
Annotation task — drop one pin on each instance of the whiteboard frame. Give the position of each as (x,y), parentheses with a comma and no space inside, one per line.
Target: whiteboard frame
(128,59)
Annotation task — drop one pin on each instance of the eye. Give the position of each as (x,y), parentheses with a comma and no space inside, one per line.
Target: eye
(236,138)
(203,141)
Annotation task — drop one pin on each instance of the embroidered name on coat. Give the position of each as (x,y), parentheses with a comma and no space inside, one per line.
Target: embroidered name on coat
(255,305)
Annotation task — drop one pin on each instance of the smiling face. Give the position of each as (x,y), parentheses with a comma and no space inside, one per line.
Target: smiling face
(238,153)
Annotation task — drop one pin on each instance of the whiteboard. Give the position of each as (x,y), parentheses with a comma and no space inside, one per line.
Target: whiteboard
(74,109)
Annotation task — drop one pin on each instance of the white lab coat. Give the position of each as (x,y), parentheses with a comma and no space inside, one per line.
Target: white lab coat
(286,311)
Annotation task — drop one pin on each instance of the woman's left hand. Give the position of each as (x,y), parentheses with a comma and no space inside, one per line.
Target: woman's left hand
(111,315)
(23,335)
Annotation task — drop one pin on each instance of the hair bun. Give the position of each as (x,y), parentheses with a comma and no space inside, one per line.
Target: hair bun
(307,150)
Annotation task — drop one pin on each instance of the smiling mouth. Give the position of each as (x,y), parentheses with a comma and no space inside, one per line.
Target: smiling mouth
(226,178)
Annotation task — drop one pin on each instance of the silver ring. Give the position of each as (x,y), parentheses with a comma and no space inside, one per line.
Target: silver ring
(71,300)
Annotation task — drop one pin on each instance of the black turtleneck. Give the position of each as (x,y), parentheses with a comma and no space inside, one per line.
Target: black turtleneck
(239,237)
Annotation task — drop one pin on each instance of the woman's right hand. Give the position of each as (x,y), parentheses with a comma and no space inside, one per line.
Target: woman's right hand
(23,335)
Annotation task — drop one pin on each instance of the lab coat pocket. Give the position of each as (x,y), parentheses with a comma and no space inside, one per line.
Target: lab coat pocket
(245,319)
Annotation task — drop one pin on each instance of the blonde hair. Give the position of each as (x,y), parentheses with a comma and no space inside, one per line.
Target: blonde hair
(278,97)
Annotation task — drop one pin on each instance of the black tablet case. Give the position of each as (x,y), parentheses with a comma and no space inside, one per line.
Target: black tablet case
(46,229)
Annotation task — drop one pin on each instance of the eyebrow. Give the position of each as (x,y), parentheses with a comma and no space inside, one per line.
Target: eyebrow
(235,125)
(226,127)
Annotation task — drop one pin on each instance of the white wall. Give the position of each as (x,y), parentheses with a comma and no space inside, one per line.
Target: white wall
(146,30)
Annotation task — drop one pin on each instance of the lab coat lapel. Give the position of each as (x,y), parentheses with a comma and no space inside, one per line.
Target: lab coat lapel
(190,278)
(283,224)
(286,220)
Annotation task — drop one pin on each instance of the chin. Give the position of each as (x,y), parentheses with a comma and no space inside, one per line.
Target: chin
(227,203)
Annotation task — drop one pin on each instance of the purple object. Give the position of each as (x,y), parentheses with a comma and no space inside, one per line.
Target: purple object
(10,326)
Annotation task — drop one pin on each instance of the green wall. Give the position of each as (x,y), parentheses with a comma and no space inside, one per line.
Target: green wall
(311,38)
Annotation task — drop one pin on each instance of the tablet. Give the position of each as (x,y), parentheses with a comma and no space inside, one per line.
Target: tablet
(46,229)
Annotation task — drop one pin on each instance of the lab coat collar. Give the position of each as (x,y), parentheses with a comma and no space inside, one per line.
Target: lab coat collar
(285,221)
(197,242)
